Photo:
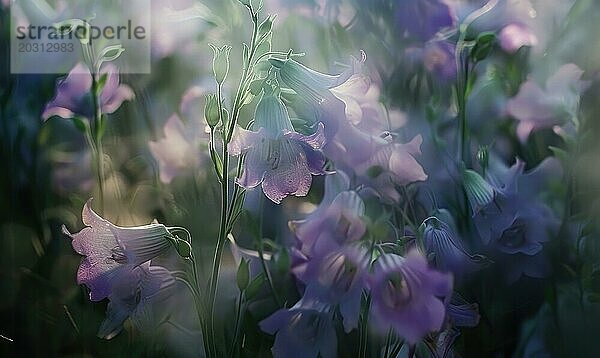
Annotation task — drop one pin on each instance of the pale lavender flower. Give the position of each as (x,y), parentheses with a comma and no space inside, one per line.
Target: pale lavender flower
(391,165)
(407,296)
(135,293)
(180,148)
(422,19)
(516,35)
(536,108)
(109,250)
(305,330)
(277,157)
(73,96)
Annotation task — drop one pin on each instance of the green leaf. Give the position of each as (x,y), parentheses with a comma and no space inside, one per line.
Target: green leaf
(80,123)
(243,275)
(254,286)
(108,54)
(484,44)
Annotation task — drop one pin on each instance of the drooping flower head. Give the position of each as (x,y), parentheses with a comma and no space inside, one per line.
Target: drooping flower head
(305,330)
(445,249)
(516,224)
(109,250)
(180,148)
(338,277)
(407,296)
(135,293)
(73,96)
(278,158)
(536,108)
(337,223)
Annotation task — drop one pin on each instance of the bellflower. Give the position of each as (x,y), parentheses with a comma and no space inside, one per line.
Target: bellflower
(536,108)
(516,224)
(516,35)
(305,330)
(109,250)
(277,157)
(135,291)
(73,96)
(445,248)
(338,277)
(391,165)
(335,224)
(306,82)
(406,296)
(422,19)
(180,149)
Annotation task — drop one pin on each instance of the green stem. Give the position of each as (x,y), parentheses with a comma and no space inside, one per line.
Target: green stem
(388,343)
(224,226)
(96,128)
(221,239)
(261,255)
(364,328)
(238,323)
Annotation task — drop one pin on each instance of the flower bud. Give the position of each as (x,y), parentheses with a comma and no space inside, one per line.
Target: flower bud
(221,62)
(243,275)
(479,192)
(483,157)
(211,110)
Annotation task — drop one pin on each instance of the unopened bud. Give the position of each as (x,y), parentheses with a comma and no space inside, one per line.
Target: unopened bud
(211,110)
(221,62)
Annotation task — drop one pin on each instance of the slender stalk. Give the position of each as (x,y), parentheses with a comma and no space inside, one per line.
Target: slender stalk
(238,322)
(96,137)
(261,255)
(222,236)
(224,226)
(364,333)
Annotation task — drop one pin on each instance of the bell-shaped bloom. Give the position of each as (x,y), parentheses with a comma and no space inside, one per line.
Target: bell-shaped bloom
(407,296)
(516,224)
(445,249)
(338,277)
(73,97)
(135,293)
(391,165)
(537,108)
(306,82)
(305,330)
(277,157)
(109,250)
(462,313)
(181,147)
(516,35)
(335,224)
(422,19)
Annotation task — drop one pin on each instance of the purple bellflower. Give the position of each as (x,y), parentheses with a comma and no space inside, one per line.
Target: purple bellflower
(445,249)
(110,250)
(305,330)
(516,224)
(422,19)
(407,296)
(135,292)
(335,224)
(73,97)
(278,158)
